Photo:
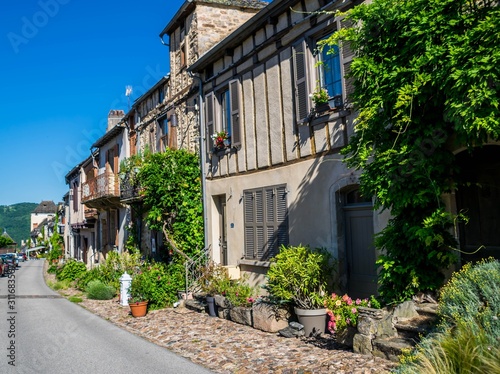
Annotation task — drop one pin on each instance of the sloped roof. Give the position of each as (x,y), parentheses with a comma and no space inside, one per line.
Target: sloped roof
(190,4)
(46,207)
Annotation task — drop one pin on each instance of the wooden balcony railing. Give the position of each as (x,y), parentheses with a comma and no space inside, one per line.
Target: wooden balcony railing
(103,186)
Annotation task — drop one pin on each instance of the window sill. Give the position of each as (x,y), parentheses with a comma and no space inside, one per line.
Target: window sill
(322,117)
(224,151)
(263,264)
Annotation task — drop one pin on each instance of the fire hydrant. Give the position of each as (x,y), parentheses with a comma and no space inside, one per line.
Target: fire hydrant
(125,282)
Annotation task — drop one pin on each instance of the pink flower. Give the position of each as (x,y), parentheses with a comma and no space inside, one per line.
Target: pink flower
(345,298)
(348,321)
(358,301)
(349,301)
(354,310)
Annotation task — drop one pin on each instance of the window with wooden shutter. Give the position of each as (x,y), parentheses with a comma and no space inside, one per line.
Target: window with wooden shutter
(266,222)
(234,90)
(302,105)
(209,120)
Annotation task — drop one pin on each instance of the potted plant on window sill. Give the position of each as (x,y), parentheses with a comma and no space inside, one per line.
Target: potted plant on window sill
(221,141)
(299,275)
(320,100)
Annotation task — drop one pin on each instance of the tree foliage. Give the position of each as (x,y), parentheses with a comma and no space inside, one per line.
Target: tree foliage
(427,80)
(171,187)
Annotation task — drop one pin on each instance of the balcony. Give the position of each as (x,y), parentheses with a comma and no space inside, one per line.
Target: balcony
(102,191)
(130,189)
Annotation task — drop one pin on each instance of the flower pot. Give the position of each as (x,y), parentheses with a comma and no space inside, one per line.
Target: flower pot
(139,309)
(313,320)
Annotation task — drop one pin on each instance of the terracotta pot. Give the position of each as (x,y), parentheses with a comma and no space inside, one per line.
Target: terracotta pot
(139,309)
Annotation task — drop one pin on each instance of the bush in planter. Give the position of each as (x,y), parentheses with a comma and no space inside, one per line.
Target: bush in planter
(300,275)
(240,293)
(214,279)
(98,290)
(343,311)
(157,283)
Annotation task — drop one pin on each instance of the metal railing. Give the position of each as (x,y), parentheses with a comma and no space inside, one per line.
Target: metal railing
(104,185)
(194,270)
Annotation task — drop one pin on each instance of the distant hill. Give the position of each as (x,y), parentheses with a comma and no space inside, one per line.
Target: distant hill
(16,219)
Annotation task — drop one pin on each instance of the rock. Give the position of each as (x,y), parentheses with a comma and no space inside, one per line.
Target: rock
(194,304)
(296,326)
(267,318)
(289,332)
(241,315)
(222,302)
(223,313)
(362,344)
(405,310)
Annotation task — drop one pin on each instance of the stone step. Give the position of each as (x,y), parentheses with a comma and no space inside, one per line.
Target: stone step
(414,328)
(391,348)
(427,309)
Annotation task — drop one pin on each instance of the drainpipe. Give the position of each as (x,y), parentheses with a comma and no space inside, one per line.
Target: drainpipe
(202,156)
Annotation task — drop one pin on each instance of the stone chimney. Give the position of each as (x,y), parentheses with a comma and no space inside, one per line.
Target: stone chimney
(114,116)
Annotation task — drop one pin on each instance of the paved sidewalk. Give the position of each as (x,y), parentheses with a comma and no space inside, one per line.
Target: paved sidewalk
(227,347)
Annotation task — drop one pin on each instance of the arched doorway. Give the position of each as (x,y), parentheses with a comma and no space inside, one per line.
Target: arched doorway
(360,248)
(478,196)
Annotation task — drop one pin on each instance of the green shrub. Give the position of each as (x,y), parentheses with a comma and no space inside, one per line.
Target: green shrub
(241,294)
(98,290)
(54,254)
(61,285)
(158,283)
(72,270)
(75,299)
(467,340)
(300,275)
(455,350)
(111,269)
(472,297)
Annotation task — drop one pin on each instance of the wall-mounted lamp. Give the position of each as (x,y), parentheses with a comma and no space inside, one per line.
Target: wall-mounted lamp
(173,120)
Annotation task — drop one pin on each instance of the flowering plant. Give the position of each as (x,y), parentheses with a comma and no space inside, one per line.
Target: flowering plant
(343,311)
(319,96)
(220,139)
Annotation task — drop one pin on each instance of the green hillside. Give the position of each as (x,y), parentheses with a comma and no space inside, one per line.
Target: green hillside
(16,220)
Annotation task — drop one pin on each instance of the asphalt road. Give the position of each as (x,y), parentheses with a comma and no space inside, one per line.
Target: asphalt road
(40,332)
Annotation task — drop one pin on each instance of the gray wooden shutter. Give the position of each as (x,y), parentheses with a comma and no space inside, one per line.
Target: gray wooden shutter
(209,120)
(281,218)
(347,55)
(250,230)
(302,104)
(234,93)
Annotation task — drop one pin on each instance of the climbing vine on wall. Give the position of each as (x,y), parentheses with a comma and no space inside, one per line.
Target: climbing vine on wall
(427,80)
(170,185)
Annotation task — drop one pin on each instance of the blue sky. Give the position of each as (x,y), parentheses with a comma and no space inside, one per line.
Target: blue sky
(63,65)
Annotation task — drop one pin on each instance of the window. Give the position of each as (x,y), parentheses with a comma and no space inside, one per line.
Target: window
(164,125)
(327,75)
(266,222)
(225,104)
(330,76)
(161,94)
(222,113)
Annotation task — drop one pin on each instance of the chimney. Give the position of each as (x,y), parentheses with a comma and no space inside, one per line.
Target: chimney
(114,116)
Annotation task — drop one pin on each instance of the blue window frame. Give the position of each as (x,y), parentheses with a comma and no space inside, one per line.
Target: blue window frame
(329,71)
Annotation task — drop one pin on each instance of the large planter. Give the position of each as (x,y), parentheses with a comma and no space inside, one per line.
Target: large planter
(139,309)
(313,320)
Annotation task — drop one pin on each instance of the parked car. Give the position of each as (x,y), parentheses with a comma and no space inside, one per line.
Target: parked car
(14,258)
(21,257)
(4,267)
(8,261)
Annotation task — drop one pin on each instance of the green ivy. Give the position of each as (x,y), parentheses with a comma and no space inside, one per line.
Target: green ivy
(170,184)
(426,81)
